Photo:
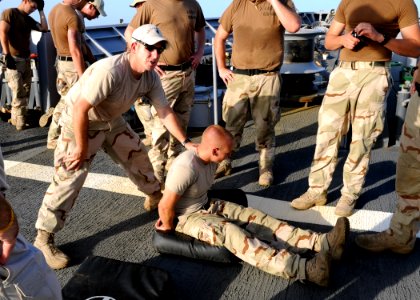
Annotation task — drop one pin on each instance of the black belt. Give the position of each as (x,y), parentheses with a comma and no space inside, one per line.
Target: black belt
(65,58)
(182,67)
(417,85)
(252,72)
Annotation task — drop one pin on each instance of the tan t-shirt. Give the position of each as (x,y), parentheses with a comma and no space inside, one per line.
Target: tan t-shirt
(191,178)
(178,20)
(111,88)
(19,34)
(62,18)
(257,33)
(387,16)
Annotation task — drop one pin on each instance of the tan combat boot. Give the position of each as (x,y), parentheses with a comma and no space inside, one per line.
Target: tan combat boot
(309,199)
(224,168)
(345,206)
(337,237)
(46,118)
(317,269)
(266,167)
(54,257)
(152,201)
(387,240)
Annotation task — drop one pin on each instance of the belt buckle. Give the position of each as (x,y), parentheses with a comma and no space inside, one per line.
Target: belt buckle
(353,65)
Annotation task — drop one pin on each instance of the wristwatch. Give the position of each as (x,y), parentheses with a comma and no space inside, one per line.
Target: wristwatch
(186,141)
(386,39)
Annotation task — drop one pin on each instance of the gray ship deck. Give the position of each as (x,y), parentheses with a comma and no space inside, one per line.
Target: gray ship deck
(109,219)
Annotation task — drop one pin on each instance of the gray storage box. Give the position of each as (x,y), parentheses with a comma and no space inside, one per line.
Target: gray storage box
(202,113)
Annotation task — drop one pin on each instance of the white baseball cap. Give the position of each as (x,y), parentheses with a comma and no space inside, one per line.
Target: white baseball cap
(99,4)
(133,4)
(148,34)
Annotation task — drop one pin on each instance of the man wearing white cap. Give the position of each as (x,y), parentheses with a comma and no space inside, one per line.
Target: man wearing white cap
(142,105)
(92,119)
(182,23)
(67,28)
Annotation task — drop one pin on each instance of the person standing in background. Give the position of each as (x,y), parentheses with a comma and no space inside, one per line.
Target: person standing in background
(400,237)
(182,23)
(365,31)
(15,35)
(67,28)
(258,32)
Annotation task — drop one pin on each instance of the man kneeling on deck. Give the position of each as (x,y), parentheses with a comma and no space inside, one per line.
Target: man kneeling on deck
(254,237)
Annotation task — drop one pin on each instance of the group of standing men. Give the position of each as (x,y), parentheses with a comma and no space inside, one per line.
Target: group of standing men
(158,68)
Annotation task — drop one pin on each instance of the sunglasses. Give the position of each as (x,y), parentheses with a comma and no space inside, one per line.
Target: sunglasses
(150,48)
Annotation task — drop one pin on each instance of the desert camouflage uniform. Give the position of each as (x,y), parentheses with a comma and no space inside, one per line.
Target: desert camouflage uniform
(19,81)
(179,91)
(256,238)
(356,94)
(262,94)
(120,142)
(406,219)
(66,77)
(144,112)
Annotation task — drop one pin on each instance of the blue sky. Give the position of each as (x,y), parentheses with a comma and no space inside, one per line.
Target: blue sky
(119,9)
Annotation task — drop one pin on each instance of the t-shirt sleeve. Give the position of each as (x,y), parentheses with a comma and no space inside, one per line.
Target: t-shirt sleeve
(179,179)
(200,22)
(98,84)
(6,15)
(291,5)
(226,18)
(33,24)
(408,15)
(141,17)
(339,14)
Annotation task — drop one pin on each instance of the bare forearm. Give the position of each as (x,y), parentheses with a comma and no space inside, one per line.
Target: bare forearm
(220,52)
(404,47)
(288,18)
(171,122)
(80,127)
(43,22)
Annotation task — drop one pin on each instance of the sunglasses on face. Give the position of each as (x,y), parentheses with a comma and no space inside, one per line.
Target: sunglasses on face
(150,48)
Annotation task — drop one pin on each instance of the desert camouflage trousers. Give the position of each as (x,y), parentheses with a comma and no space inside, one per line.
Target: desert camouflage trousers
(261,95)
(19,81)
(356,97)
(262,241)
(66,77)
(179,91)
(144,112)
(406,219)
(121,143)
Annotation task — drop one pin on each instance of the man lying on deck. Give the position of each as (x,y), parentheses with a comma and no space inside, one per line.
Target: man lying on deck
(267,243)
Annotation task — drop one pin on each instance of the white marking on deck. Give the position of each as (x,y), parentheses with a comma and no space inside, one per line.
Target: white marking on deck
(322,215)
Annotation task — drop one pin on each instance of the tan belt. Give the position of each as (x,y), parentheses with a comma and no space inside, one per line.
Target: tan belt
(355,65)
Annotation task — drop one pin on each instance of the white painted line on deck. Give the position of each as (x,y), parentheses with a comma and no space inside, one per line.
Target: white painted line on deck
(323,215)
(98,181)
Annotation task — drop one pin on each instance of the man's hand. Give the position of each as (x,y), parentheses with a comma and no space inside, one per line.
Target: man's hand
(159,71)
(195,60)
(160,227)
(75,159)
(226,75)
(40,5)
(9,61)
(367,30)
